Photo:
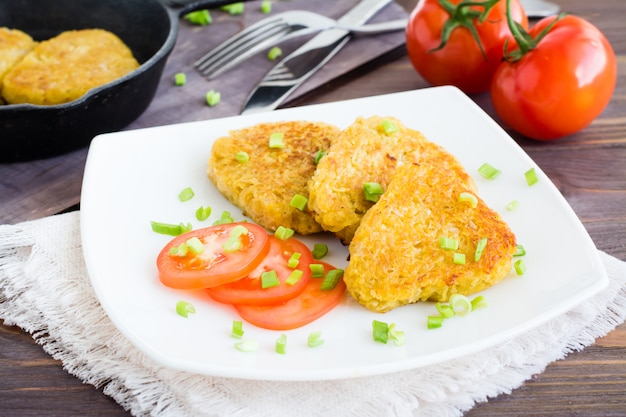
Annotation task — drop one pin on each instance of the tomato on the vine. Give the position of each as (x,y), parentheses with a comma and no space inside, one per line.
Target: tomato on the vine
(460,43)
(557,85)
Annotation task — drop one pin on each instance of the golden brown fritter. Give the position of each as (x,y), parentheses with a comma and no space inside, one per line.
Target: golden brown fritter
(264,185)
(65,67)
(395,256)
(362,153)
(14,44)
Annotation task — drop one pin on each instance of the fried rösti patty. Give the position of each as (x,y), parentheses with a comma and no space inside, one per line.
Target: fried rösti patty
(65,67)
(14,44)
(264,186)
(363,152)
(395,256)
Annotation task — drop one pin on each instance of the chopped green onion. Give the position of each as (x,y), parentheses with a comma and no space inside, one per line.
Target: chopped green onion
(276,140)
(199,17)
(294,260)
(281,344)
(434,322)
(319,250)
(480,247)
(186,194)
(458,258)
(225,218)
(183,308)
(331,279)
(488,171)
(299,201)
(247,345)
(520,267)
(269,279)
(448,243)
(180,250)
(195,245)
(203,213)
(372,191)
(274,53)
(237,329)
(266,6)
(233,8)
(388,127)
(380,331)
(170,229)
(396,336)
(470,198)
(213,97)
(317,270)
(283,233)
(460,304)
(315,339)
(233,243)
(445,310)
(242,156)
(180,78)
(519,251)
(531,177)
(319,155)
(294,277)
(478,302)
(512,205)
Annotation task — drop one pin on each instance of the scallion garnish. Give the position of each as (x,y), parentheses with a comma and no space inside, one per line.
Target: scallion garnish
(283,233)
(170,229)
(519,251)
(213,98)
(319,250)
(388,127)
(269,279)
(466,197)
(233,8)
(396,336)
(488,171)
(266,6)
(225,218)
(458,258)
(294,277)
(480,247)
(180,79)
(448,243)
(380,331)
(372,191)
(233,243)
(199,17)
(195,245)
(531,176)
(203,213)
(237,329)
(181,250)
(331,279)
(318,155)
(294,260)
(317,270)
(299,201)
(520,267)
(315,339)
(512,205)
(274,53)
(445,310)
(184,308)
(434,322)
(186,194)
(247,345)
(460,304)
(478,302)
(242,157)
(276,140)
(281,344)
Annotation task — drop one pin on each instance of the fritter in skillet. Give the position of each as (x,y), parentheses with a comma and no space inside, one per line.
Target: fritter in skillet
(264,185)
(14,44)
(395,256)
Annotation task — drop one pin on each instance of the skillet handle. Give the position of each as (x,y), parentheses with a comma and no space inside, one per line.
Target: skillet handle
(182,7)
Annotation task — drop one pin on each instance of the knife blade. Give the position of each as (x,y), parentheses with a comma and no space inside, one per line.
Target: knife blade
(298,66)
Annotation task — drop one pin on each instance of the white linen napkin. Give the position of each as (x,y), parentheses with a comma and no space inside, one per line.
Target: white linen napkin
(45,290)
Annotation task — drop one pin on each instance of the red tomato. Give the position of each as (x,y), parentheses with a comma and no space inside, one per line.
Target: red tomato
(248,290)
(310,305)
(214,266)
(460,62)
(561,85)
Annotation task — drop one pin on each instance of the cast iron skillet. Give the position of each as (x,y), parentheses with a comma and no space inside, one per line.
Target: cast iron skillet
(148,27)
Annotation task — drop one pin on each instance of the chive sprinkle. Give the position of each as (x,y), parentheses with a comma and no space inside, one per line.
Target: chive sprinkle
(331,279)
(380,331)
(318,155)
(531,177)
(213,98)
(170,229)
(388,127)
(274,53)
(180,79)
(233,8)
(372,191)
(242,157)
(269,279)
(520,267)
(281,344)
(184,308)
(488,171)
(283,233)
(276,140)
(299,201)
(317,270)
(294,260)
(247,345)
(319,250)
(186,194)
(266,6)
(448,243)
(199,17)
(480,247)
(315,339)
(203,213)
(237,329)
(294,277)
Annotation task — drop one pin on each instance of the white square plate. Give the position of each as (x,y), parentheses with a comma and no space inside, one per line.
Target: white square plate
(134,177)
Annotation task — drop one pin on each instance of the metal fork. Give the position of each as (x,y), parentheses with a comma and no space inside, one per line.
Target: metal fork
(270,31)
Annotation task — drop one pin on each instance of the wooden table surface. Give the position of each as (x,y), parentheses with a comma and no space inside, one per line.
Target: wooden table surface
(589,168)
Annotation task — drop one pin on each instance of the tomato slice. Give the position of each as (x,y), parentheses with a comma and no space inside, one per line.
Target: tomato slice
(214,266)
(249,291)
(310,305)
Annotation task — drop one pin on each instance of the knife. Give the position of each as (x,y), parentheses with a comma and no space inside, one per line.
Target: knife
(298,66)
